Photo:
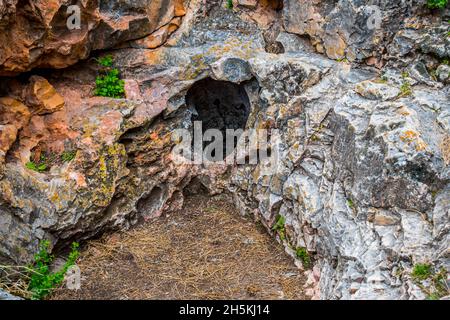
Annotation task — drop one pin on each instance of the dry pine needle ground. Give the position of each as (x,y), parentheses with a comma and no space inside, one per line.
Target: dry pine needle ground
(204,251)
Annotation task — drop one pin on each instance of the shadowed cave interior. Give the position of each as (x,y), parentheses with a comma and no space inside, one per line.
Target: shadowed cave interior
(219,105)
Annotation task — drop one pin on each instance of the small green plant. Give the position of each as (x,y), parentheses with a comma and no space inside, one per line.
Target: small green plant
(42,280)
(350,203)
(230,4)
(110,85)
(405,88)
(279,227)
(446,62)
(68,156)
(437,286)
(421,271)
(437,4)
(439,281)
(304,257)
(105,61)
(40,166)
(343,60)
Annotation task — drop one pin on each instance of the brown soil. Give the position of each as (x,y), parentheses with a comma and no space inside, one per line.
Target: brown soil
(205,251)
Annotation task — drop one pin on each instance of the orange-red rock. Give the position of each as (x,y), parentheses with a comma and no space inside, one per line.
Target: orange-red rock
(35,33)
(42,97)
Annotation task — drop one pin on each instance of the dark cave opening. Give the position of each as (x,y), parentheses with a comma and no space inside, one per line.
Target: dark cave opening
(219,105)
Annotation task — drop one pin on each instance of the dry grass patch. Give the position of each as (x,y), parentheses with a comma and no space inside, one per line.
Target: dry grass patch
(205,251)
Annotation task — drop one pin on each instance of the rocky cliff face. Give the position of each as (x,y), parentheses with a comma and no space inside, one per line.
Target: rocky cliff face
(42,34)
(364,151)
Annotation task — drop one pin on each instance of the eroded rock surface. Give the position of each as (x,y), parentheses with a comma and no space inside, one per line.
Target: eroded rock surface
(34,33)
(363,172)
(356,30)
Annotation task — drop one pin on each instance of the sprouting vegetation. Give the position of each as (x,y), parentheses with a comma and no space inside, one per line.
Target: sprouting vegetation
(279,227)
(433,283)
(343,60)
(42,279)
(405,87)
(40,165)
(108,83)
(105,61)
(302,254)
(437,4)
(42,161)
(421,271)
(68,156)
(350,203)
(229,4)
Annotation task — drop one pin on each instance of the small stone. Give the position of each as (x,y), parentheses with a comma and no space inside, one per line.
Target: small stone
(231,69)
(42,97)
(376,91)
(7,296)
(251,4)
(385,219)
(443,73)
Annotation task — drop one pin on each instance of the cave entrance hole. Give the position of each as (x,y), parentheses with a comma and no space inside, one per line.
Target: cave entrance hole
(219,105)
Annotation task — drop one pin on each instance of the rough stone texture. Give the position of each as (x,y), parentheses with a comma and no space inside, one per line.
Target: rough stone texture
(42,97)
(232,70)
(356,183)
(34,32)
(357,30)
(363,176)
(443,73)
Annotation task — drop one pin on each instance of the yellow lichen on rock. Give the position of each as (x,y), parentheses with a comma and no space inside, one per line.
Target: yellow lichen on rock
(413,138)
